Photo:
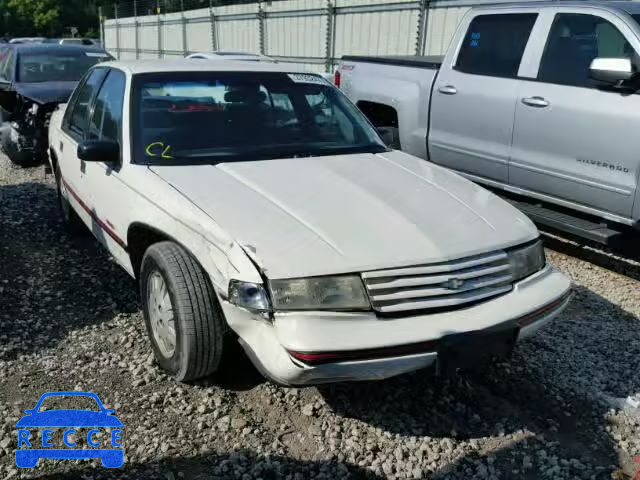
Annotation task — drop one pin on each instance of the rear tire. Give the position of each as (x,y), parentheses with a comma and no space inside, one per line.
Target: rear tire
(70,218)
(188,341)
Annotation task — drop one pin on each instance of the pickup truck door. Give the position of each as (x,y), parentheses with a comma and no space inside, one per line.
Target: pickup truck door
(474,95)
(74,126)
(575,140)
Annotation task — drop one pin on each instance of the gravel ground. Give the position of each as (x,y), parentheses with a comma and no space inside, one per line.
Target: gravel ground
(70,319)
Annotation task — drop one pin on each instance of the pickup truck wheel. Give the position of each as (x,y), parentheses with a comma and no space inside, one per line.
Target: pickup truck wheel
(184,320)
(70,218)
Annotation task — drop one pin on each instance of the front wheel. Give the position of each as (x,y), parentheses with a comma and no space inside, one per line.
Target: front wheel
(183,317)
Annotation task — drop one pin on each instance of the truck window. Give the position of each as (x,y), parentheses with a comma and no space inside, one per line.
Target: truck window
(574,41)
(494,44)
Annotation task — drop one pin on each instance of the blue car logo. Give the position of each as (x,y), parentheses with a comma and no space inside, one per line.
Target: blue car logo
(34,445)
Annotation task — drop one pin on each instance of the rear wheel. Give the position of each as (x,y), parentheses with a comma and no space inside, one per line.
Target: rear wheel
(70,218)
(183,317)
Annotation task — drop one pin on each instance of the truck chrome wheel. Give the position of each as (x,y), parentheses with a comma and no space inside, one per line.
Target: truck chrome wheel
(161,314)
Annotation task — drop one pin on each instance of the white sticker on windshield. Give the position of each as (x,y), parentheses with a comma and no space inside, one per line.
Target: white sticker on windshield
(96,54)
(307,78)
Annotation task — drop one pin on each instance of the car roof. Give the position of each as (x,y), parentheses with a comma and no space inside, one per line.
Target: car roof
(49,47)
(135,67)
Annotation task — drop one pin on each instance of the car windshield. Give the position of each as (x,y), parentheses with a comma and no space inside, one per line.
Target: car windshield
(56,66)
(210,117)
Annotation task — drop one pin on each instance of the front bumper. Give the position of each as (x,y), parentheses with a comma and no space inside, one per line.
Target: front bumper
(400,344)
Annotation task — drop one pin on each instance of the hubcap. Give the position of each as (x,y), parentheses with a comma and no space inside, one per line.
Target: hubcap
(161,314)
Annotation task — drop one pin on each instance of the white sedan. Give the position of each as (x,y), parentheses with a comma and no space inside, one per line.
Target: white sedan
(253,201)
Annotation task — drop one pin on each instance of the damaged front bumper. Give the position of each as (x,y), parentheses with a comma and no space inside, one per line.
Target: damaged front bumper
(306,348)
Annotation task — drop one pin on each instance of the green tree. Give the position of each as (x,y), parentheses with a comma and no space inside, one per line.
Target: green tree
(38,16)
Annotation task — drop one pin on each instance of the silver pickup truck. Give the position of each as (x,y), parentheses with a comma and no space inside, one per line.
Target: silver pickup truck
(539,100)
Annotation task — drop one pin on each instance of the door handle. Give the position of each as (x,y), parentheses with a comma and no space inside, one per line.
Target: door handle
(537,102)
(448,89)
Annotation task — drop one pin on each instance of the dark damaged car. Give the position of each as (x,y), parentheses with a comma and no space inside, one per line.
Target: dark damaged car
(34,80)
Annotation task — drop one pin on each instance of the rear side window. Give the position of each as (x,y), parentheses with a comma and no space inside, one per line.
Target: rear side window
(494,44)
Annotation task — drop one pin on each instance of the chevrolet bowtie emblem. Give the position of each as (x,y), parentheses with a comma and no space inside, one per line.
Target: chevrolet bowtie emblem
(453,284)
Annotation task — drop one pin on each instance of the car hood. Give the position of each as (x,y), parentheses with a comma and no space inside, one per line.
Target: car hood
(349,213)
(46,92)
(69,418)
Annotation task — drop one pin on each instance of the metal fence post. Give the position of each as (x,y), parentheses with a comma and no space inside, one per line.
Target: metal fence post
(214,34)
(159,29)
(185,47)
(330,40)
(423,20)
(101,24)
(261,30)
(115,9)
(136,30)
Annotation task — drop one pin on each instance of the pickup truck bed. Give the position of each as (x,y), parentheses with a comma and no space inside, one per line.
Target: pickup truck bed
(431,61)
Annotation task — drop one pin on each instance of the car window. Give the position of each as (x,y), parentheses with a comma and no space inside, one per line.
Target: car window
(78,112)
(574,41)
(56,66)
(6,67)
(106,122)
(494,44)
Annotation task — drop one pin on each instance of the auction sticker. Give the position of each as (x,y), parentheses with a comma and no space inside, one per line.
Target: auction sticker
(307,78)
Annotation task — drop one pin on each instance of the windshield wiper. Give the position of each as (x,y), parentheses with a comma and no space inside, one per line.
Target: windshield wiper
(272,152)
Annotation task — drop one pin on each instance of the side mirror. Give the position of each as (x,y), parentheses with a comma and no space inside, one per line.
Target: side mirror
(30,410)
(107,151)
(388,136)
(611,70)
(108,411)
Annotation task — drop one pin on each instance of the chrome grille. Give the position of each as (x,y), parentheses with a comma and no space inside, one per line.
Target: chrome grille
(449,284)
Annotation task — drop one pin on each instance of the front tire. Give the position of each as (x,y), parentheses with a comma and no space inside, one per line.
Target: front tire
(184,320)
(18,157)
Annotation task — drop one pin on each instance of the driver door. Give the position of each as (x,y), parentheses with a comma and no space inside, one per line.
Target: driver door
(110,195)
(74,126)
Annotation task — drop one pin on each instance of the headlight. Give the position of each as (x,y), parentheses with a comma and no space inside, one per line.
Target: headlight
(252,296)
(525,261)
(320,293)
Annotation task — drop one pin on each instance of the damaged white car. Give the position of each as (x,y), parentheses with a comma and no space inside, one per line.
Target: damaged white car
(253,201)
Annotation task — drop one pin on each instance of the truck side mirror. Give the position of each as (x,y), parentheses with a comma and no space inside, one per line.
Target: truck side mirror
(107,151)
(611,70)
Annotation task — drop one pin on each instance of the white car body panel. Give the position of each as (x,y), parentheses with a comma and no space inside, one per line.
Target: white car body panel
(367,222)
(294,217)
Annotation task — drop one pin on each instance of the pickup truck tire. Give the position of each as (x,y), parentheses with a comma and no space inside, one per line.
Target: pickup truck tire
(196,316)
(70,218)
